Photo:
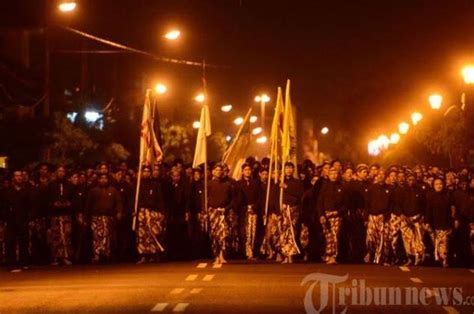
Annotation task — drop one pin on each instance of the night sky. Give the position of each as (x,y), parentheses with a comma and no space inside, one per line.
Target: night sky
(357,65)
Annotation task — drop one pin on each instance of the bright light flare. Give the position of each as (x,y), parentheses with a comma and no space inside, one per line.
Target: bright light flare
(228,138)
(238,121)
(262,140)
(92,116)
(416,117)
(257,131)
(253,119)
(394,138)
(403,128)
(173,35)
(373,148)
(200,98)
(435,101)
(468,74)
(325,130)
(226,108)
(196,125)
(383,141)
(160,88)
(262,98)
(67,6)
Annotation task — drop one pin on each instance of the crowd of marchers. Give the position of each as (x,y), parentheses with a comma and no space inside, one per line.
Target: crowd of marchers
(332,212)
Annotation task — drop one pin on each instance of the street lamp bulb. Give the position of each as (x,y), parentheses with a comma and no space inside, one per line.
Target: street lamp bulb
(468,74)
(435,101)
(403,128)
(200,98)
(68,6)
(394,138)
(228,138)
(373,148)
(383,141)
(253,119)
(196,125)
(416,117)
(325,130)
(173,35)
(238,121)
(226,108)
(161,88)
(262,140)
(262,98)
(257,131)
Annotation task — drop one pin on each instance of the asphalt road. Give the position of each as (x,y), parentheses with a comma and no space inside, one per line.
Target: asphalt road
(237,287)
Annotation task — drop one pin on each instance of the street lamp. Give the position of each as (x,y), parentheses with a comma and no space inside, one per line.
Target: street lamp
(383,141)
(257,131)
(196,125)
(67,6)
(416,117)
(262,99)
(403,128)
(160,88)
(253,119)
(435,101)
(226,108)
(468,74)
(325,130)
(373,148)
(173,34)
(200,98)
(238,121)
(262,139)
(394,138)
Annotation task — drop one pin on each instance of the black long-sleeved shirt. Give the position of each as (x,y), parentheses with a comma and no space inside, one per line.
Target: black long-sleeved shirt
(17,205)
(379,199)
(332,197)
(247,193)
(220,193)
(104,201)
(464,205)
(438,210)
(60,194)
(273,198)
(293,193)
(150,195)
(398,197)
(414,201)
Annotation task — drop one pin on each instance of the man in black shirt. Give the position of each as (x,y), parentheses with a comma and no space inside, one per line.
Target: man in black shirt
(219,203)
(17,202)
(270,244)
(331,207)
(248,201)
(104,204)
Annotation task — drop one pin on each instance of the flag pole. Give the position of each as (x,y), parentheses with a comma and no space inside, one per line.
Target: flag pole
(204,86)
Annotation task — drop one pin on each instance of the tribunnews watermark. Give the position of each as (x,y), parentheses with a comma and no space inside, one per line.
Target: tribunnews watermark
(340,292)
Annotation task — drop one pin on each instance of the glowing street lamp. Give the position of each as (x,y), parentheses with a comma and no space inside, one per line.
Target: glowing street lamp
(262,140)
(200,98)
(468,74)
(67,6)
(160,88)
(196,125)
(416,117)
(257,131)
(226,108)
(173,34)
(325,130)
(394,138)
(238,121)
(253,119)
(435,101)
(403,128)
(262,99)
(383,141)
(373,148)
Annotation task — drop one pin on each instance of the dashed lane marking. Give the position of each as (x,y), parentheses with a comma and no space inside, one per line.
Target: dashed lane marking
(180,307)
(404,268)
(450,310)
(195,290)
(191,277)
(159,307)
(202,265)
(217,266)
(208,278)
(416,280)
(177,290)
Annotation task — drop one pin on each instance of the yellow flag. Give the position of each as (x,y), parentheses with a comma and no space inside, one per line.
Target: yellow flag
(289,131)
(200,155)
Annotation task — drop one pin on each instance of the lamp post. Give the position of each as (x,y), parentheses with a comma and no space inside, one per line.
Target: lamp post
(262,99)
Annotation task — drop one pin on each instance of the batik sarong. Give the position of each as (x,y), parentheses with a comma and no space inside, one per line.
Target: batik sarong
(101,236)
(331,230)
(218,230)
(150,232)
(59,237)
(288,235)
(374,240)
(250,230)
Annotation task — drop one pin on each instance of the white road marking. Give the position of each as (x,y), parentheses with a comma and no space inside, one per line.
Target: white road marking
(416,280)
(217,266)
(159,307)
(404,268)
(208,278)
(196,290)
(180,307)
(177,290)
(191,277)
(202,265)
(450,310)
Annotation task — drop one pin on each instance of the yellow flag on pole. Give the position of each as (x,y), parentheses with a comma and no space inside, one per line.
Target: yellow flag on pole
(200,155)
